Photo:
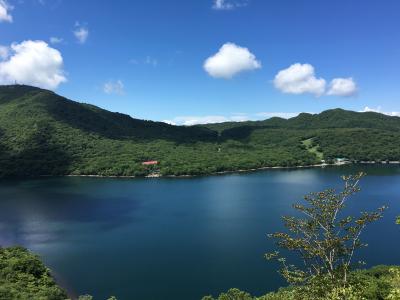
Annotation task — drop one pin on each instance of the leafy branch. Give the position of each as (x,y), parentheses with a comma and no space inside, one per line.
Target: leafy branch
(324,239)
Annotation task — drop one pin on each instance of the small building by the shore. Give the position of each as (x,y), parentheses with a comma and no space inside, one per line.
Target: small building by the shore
(341,161)
(150,163)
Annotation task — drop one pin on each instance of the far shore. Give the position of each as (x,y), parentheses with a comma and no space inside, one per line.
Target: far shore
(323,165)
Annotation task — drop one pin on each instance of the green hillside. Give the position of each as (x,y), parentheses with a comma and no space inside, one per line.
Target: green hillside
(42,133)
(24,276)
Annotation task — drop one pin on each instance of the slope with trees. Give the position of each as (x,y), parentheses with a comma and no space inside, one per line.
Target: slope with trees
(42,133)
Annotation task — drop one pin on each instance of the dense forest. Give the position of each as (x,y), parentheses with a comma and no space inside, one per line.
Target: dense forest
(42,133)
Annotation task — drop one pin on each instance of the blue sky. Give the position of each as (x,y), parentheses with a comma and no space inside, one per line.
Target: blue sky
(207,60)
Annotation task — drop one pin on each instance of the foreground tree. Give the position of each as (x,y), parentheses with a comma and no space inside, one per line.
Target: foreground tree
(324,238)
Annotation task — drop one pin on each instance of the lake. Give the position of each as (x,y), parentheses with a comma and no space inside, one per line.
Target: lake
(183,238)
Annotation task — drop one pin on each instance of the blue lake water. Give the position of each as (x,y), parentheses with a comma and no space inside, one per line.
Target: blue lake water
(179,238)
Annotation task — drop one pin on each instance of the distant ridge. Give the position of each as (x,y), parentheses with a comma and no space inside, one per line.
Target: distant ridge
(332,118)
(42,133)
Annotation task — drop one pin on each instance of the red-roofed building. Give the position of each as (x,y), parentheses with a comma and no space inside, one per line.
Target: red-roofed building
(150,163)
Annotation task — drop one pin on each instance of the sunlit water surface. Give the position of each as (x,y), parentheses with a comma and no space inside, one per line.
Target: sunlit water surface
(178,238)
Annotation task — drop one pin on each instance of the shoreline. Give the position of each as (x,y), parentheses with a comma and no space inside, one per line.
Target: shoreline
(323,165)
(210,174)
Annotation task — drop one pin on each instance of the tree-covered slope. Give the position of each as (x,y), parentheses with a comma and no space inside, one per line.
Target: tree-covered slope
(335,133)
(24,276)
(42,133)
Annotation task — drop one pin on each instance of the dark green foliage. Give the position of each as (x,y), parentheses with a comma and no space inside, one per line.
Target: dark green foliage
(232,294)
(23,276)
(360,144)
(85,297)
(377,283)
(42,133)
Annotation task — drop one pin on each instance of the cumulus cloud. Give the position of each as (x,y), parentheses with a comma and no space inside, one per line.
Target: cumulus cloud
(4,51)
(299,79)
(114,87)
(344,87)
(81,33)
(5,12)
(379,110)
(56,40)
(230,60)
(227,4)
(33,63)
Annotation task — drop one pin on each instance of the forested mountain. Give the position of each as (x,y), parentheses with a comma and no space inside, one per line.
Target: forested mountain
(333,118)
(42,133)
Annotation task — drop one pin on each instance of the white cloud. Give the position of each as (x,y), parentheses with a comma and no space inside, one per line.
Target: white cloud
(239,117)
(170,122)
(229,61)
(344,87)
(151,61)
(147,61)
(195,120)
(284,115)
(379,110)
(227,4)
(222,5)
(114,87)
(5,12)
(4,52)
(81,33)
(56,40)
(33,63)
(299,79)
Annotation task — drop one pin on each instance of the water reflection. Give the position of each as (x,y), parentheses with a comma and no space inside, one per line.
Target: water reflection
(178,238)
(44,208)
